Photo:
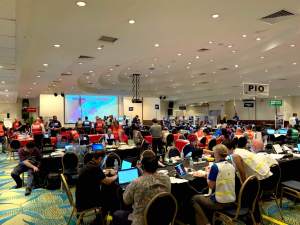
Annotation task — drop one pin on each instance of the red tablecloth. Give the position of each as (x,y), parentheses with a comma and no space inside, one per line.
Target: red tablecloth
(179,144)
(95,138)
(53,140)
(148,139)
(23,142)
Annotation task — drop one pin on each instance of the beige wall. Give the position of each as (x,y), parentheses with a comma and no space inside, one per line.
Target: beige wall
(137,108)
(149,111)
(14,109)
(51,105)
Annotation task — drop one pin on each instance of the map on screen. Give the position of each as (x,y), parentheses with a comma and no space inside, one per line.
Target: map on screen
(79,106)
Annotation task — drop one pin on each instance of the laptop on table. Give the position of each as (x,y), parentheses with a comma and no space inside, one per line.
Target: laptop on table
(181,172)
(125,177)
(126,165)
(97,147)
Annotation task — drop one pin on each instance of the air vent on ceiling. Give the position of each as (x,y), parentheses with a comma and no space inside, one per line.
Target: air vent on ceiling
(203,50)
(151,68)
(203,82)
(277,16)
(235,86)
(66,74)
(108,39)
(282,79)
(224,68)
(202,74)
(86,57)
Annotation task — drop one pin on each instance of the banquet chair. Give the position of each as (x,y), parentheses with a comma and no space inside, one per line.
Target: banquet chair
(173,152)
(291,188)
(269,187)
(162,210)
(110,160)
(70,167)
(78,214)
(245,206)
(87,158)
(14,145)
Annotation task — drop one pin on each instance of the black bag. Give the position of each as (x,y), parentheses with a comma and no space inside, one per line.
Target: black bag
(53,181)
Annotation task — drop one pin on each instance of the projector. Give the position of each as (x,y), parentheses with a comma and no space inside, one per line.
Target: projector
(136,100)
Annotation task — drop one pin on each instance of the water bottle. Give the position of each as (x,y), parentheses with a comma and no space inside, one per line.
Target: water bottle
(116,165)
(191,162)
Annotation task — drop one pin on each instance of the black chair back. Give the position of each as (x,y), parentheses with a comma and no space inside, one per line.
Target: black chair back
(110,161)
(249,193)
(70,163)
(161,210)
(271,184)
(15,145)
(173,152)
(170,140)
(87,158)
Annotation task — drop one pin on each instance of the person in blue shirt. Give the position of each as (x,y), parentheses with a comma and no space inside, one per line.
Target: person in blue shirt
(221,182)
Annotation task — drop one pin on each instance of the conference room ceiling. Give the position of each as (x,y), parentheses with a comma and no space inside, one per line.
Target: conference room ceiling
(180,50)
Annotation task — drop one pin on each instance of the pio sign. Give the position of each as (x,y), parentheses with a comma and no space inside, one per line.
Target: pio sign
(255,89)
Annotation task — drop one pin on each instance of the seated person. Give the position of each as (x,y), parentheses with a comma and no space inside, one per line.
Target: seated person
(109,137)
(209,149)
(137,135)
(30,158)
(140,191)
(123,137)
(192,147)
(17,125)
(91,177)
(223,193)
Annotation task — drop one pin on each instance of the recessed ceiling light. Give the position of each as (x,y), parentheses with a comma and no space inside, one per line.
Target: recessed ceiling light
(6,90)
(87,77)
(294,63)
(80,63)
(3,82)
(111,69)
(38,76)
(292,45)
(215,16)
(236,65)
(189,63)
(56,46)
(128,68)
(266,70)
(99,48)
(81,3)
(146,75)
(91,71)
(244,35)
(211,60)
(229,46)
(156,45)
(7,95)
(258,39)
(168,66)
(233,51)
(30,88)
(34,83)
(197,57)
(131,21)
(262,57)
(179,54)
(1,67)
(45,65)
(210,42)
(188,67)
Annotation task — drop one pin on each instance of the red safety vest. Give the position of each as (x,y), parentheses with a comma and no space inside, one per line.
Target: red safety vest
(74,134)
(16,125)
(36,128)
(2,131)
(99,126)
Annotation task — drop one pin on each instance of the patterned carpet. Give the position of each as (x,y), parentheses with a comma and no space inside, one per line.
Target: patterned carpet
(44,207)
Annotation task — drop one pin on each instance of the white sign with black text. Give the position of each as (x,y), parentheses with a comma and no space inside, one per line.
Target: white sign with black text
(255,89)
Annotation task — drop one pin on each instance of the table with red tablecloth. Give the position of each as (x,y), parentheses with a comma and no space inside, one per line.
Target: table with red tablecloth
(179,144)
(148,139)
(25,141)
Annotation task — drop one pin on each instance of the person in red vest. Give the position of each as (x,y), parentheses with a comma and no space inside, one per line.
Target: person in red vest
(38,130)
(74,136)
(99,125)
(2,135)
(17,125)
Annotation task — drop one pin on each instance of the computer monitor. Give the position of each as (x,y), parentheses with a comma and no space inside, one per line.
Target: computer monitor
(180,170)
(270,131)
(97,147)
(69,148)
(127,176)
(298,145)
(126,165)
(282,131)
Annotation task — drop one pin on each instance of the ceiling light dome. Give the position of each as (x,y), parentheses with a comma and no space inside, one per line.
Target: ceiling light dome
(81,3)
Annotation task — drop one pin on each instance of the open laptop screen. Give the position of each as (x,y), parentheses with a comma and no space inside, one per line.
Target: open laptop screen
(126,176)
(126,165)
(270,131)
(180,169)
(97,147)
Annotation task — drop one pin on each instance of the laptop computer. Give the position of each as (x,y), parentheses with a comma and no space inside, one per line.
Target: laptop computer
(181,172)
(97,147)
(125,177)
(126,165)
(270,131)
(298,146)
(278,149)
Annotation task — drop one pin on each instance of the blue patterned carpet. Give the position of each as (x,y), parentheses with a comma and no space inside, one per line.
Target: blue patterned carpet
(44,207)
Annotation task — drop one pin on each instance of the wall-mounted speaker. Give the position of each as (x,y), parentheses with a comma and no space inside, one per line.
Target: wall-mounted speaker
(170,112)
(171,105)
(55,94)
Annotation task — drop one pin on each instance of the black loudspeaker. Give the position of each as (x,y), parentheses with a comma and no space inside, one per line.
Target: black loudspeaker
(171,105)
(8,115)
(170,112)
(62,95)
(55,94)
(25,103)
